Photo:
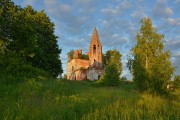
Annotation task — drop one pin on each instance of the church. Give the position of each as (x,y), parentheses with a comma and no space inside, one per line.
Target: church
(92,69)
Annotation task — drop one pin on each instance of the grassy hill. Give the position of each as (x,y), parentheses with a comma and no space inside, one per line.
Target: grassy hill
(61,99)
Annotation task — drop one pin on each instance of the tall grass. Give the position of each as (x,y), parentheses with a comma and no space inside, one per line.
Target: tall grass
(60,99)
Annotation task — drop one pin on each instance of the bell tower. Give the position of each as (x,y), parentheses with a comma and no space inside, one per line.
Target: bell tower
(95,51)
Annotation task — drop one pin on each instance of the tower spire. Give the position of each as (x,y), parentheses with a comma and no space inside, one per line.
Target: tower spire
(95,50)
(95,30)
(95,36)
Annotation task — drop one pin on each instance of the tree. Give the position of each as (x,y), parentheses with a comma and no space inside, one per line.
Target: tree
(113,56)
(103,60)
(65,76)
(111,76)
(83,56)
(14,69)
(123,78)
(70,55)
(7,9)
(30,34)
(176,81)
(151,66)
(80,56)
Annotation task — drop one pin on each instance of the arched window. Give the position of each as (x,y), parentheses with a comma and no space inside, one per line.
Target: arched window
(72,68)
(98,49)
(94,49)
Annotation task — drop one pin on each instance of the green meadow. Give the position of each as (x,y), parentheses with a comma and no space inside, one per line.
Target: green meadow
(74,100)
(30,60)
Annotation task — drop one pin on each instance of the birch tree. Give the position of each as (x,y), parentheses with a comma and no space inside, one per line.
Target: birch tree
(151,65)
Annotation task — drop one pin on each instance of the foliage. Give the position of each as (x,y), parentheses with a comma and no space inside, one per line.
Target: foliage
(65,76)
(103,60)
(80,56)
(113,56)
(71,100)
(123,78)
(176,81)
(111,76)
(7,9)
(83,56)
(70,55)
(151,66)
(30,34)
(14,70)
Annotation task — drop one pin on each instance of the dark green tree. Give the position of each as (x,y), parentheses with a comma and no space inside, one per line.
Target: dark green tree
(151,65)
(111,76)
(123,78)
(83,56)
(7,10)
(15,70)
(30,34)
(103,60)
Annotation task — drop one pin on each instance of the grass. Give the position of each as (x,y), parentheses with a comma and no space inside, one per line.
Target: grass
(61,99)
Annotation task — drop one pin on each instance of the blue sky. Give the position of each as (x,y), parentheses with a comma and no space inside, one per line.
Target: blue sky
(117,22)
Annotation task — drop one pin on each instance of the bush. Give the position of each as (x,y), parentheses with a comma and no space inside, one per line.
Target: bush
(112,76)
(15,70)
(123,78)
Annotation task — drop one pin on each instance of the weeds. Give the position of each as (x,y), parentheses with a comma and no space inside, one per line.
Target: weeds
(38,98)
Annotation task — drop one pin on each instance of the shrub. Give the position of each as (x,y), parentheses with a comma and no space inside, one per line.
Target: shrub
(15,70)
(123,78)
(112,76)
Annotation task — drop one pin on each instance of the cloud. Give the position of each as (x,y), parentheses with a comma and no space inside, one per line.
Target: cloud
(65,8)
(177,1)
(174,21)
(29,2)
(85,6)
(176,54)
(138,14)
(176,64)
(161,9)
(173,45)
(51,7)
(116,40)
(73,16)
(76,43)
(115,10)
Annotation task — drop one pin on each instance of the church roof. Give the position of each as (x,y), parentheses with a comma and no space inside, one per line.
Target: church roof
(95,37)
(95,31)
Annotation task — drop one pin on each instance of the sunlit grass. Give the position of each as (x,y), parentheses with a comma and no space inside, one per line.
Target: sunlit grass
(61,99)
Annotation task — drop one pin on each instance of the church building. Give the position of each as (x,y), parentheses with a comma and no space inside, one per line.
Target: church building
(80,69)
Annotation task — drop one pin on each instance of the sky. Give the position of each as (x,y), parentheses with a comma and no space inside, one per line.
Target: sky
(117,22)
